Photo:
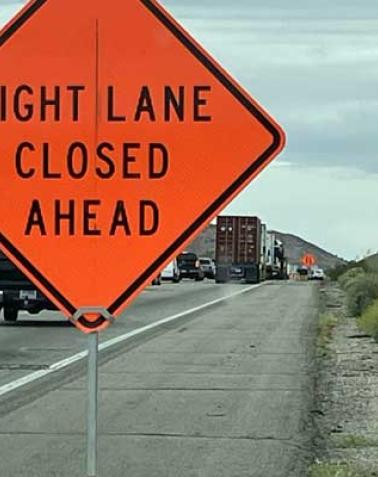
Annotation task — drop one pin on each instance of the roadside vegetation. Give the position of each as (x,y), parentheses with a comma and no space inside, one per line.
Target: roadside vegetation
(359,280)
(321,469)
(353,441)
(346,443)
(326,325)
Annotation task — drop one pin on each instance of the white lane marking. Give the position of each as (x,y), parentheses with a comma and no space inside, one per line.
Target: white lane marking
(18,383)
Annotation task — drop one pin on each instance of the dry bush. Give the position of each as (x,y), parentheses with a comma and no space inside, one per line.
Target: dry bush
(369,320)
(362,291)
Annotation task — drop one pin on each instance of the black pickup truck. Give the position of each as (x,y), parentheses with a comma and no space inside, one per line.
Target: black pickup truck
(19,293)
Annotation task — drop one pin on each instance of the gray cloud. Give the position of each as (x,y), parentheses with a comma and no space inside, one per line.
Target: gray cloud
(314,65)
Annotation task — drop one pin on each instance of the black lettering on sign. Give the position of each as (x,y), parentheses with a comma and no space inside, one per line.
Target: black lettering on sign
(120,219)
(46,171)
(22,171)
(3,103)
(145,105)
(52,101)
(35,219)
(148,218)
(200,102)
(90,215)
(60,216)
(158,161)
(22,111)
(75,89)
(112,116)
(110,167)
(175,101)
(78,150)
(127,160)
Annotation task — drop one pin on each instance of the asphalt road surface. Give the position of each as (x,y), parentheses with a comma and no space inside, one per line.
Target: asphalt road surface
(225,392)
(37,341)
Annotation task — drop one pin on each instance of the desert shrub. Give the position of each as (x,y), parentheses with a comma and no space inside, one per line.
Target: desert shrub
(342,469)
(326,325)
(335,272)
(370,264)
(369,320)
(348,277)
(361,292)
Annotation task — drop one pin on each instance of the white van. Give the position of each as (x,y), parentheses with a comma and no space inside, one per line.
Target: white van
(171,272)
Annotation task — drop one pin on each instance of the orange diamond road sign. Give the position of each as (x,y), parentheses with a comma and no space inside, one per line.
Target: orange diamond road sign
(308,260)
(121,138)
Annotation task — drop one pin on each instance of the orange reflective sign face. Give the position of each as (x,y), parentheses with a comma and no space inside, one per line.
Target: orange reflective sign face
(121,138)
(308,260)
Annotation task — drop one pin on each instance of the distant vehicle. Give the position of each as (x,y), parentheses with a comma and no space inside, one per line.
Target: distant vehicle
(190,266)
(171,272)
(317,274)
(19,293)
(303,273)
(208,267)
(157,280)
(238,249)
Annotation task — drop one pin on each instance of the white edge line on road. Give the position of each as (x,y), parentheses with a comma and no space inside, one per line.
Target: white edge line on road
(18,383)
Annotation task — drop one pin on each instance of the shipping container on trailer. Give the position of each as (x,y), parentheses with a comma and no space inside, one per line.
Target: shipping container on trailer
(238,249)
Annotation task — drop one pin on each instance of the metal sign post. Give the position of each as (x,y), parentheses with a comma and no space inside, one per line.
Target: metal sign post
(92,404)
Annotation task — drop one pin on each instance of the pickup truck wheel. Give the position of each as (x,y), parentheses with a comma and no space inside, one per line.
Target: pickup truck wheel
(10,314)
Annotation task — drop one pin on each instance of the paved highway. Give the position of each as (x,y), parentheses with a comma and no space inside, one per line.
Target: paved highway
(37,341)
(226,393)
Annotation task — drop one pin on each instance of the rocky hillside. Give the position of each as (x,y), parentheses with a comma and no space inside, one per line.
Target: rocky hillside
(204,244)
(295,247)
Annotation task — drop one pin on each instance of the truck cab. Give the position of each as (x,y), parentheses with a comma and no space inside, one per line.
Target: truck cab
(19,293)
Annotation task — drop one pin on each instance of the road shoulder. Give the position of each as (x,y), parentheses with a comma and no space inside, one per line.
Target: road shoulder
(346,412)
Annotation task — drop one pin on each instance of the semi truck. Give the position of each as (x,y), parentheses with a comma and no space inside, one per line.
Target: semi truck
(264,242)
(19,293)
(238,249)
(275,261)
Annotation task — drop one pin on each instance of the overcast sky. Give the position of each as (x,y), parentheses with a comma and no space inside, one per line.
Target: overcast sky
(314,66)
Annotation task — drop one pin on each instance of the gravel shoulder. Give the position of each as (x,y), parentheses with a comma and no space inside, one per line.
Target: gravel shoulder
(346,411)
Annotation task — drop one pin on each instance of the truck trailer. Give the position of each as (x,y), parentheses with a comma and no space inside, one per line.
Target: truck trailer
(238,249)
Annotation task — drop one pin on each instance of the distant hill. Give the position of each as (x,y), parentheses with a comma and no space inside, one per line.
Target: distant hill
(295,248)
(204,244)
(370,263)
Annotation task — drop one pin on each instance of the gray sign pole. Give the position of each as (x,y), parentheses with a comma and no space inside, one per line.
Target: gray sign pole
(92,405)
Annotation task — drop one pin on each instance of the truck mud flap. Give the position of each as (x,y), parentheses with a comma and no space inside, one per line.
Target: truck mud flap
(251,274)
(222,274)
